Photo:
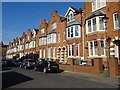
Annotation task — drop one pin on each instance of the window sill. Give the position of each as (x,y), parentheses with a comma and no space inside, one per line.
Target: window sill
(116,29)
(96,31)
(73,38)
(102,56)
(70,57)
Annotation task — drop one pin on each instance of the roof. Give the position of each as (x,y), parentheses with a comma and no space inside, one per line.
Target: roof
(96,13)
(53,31)
(43,35)
(76,11)
(75,22)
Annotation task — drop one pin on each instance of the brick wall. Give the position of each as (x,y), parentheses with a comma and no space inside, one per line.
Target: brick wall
(96,69)
(113,67)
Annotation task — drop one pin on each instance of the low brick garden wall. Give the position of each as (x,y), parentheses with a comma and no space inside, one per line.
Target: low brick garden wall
(96,69)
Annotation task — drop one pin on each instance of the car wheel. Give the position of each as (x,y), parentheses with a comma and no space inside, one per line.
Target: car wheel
(25,67)
(44,70)
(20,66)
(35,68)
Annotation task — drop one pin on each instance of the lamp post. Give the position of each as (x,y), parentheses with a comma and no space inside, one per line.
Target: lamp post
(105,18)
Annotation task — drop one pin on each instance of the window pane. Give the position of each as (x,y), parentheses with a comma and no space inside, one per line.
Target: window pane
(101,23)
(76,31)
(69,50)
(102,47)
(77,50)
(89,26)
(68,32)
(71,31)
(94,5)
(91,48)
(72,50)
(96,47)
(116,20)
(94,24)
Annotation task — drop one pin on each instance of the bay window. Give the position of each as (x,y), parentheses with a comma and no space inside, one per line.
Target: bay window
(51,38)
(101,24)
(71,31)
(42,41)
(89,26)
(76,31)
(94,24)
(68,32)
(97,24)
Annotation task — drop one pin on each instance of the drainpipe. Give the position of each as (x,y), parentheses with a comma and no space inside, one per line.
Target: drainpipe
(82,35)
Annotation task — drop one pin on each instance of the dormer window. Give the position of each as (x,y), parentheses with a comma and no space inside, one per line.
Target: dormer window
(70,16)
(54,25)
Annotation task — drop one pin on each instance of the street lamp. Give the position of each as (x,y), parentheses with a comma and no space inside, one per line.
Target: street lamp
(107,44)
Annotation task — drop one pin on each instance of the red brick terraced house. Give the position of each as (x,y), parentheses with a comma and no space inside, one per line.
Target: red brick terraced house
(41,40)
(91,34)
(102,29)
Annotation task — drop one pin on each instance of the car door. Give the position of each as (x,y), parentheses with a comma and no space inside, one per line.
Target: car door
(42,65)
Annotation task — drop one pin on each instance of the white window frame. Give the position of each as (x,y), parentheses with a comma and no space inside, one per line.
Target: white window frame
(97,25)
(40,56)
(70,56)
(114,22)
(104,48)
(93,48)
(42,31)
(54,25)
(79,34)
(69,18)
(100,3)
(78,50)
(44,53)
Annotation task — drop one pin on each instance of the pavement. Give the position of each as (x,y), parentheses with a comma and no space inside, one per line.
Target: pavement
(100,79)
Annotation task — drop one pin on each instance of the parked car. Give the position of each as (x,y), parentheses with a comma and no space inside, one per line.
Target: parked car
(46,66)
(5,63)
(27,63)
(15,62)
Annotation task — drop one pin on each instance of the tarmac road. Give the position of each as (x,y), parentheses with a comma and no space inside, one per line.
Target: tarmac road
(16,77)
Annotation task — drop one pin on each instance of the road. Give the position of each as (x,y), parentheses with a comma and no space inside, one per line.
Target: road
(17,77)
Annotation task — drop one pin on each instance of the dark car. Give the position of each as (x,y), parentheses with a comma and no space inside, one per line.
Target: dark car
(46,66)
(5,63)
(27,63)
(15,62)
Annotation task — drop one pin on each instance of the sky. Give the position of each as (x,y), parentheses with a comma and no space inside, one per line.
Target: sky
(17,17)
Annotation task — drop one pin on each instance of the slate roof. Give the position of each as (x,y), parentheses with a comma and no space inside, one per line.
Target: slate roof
(96,13)
(75,22)
(43,35)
